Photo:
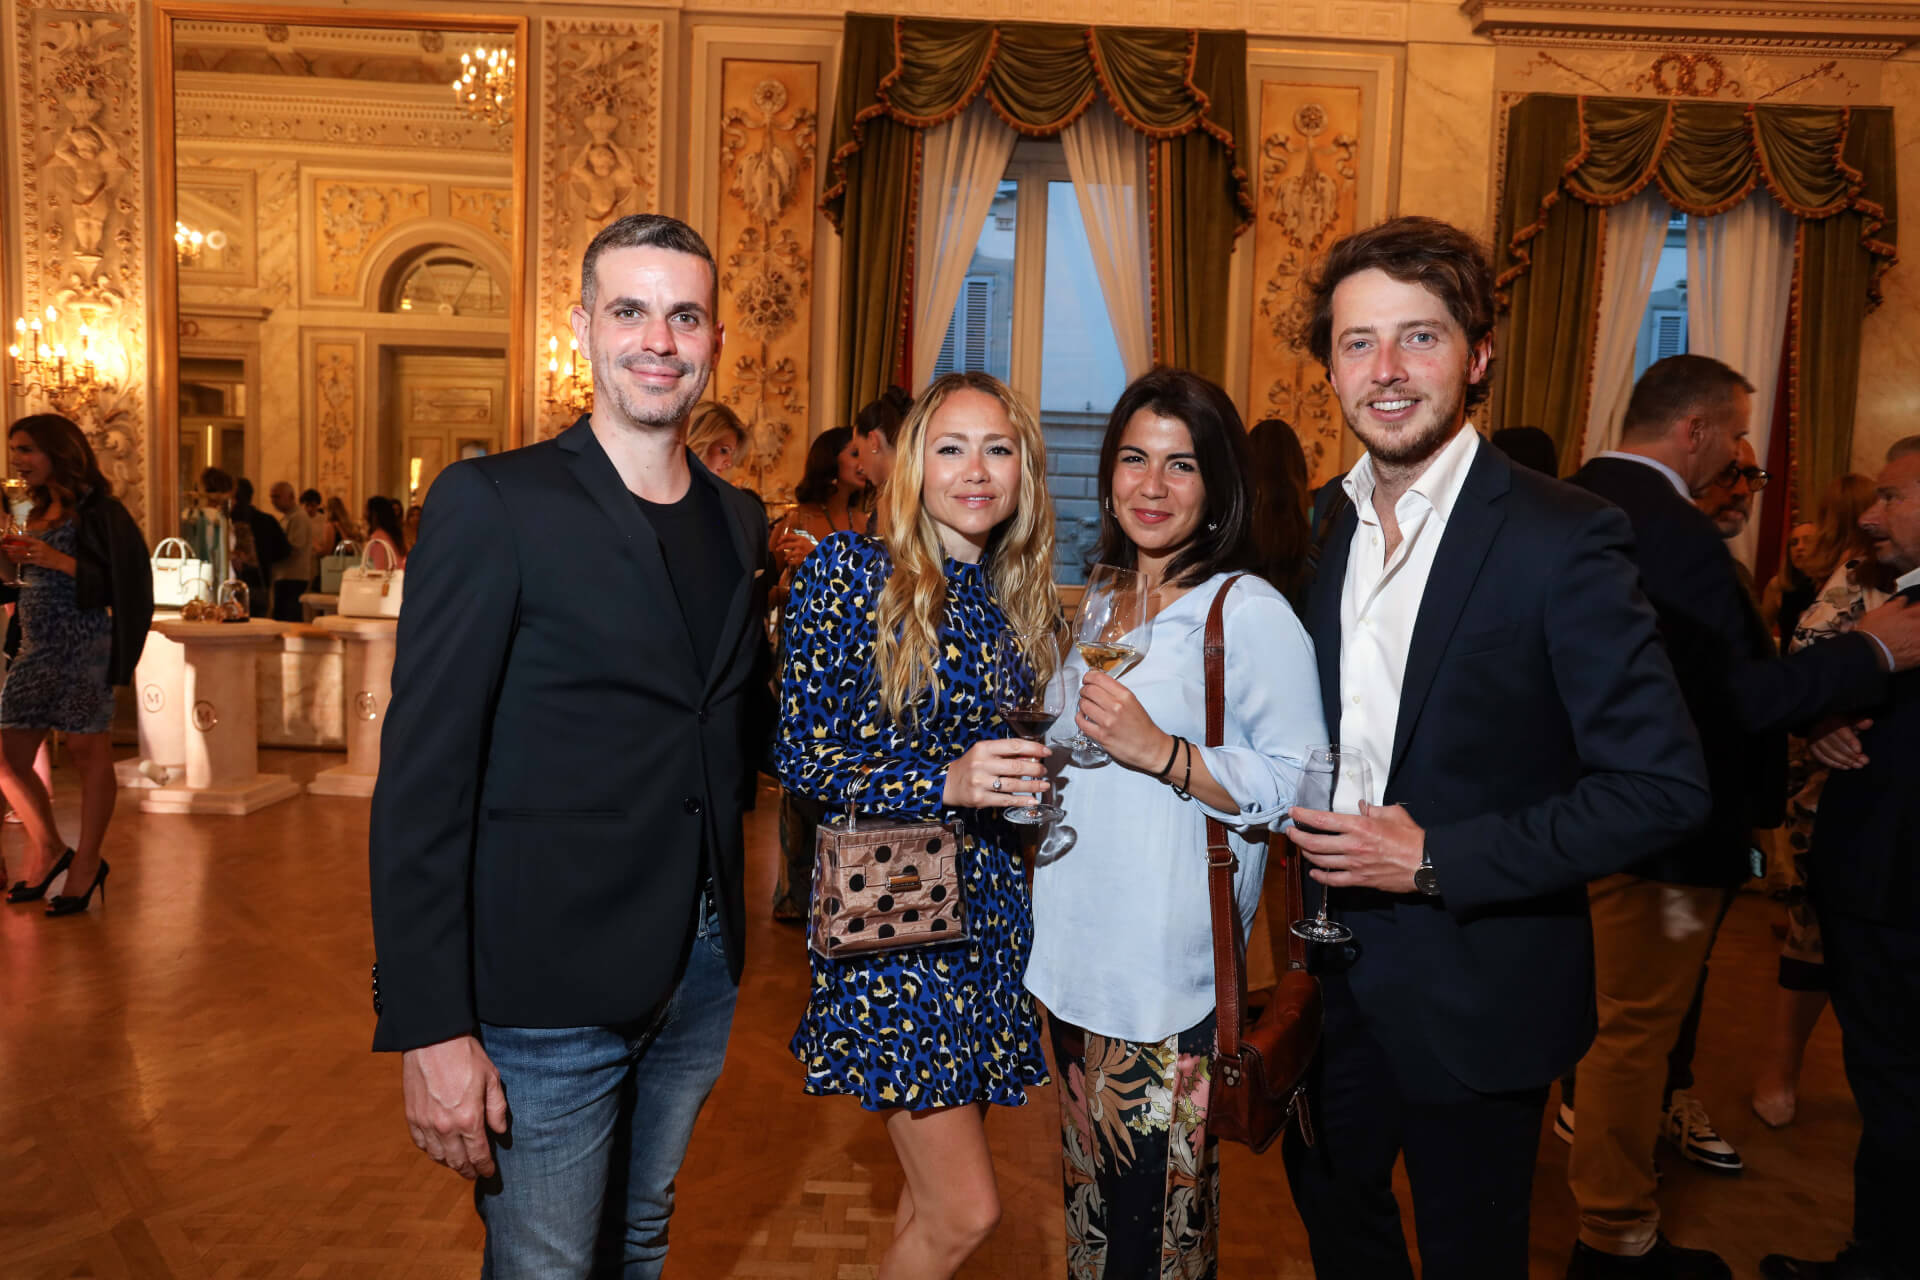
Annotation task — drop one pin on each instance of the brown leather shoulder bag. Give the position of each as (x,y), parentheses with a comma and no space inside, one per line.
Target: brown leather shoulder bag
(1259,1072)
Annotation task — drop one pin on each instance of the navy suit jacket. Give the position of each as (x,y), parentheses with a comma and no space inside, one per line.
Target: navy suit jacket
(1542,743)
(558,766)
(1742,696)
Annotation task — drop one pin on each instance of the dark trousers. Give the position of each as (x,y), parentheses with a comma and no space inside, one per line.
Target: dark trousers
(1470,1158)
(1873,972)
(286,600)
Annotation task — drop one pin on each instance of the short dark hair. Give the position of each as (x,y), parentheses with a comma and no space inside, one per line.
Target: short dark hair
(884,414)
(243,497)
(1676,387)
(1224,538)
(1530,447)
(1438,256)
(214,480)
(1905,447)
(306,496)
(643,231)
(1281,489)
(823,466)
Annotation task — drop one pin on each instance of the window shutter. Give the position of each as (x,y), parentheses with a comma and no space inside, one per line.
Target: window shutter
(1669,334)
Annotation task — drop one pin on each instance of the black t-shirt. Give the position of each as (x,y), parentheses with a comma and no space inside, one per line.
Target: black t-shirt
(701,560)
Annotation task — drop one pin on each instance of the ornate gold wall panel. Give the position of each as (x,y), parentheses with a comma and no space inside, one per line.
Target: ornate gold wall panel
(488,208)
(82,212)
(599,158)
(350,217)
(335,381)
(763,238)
(1309,186)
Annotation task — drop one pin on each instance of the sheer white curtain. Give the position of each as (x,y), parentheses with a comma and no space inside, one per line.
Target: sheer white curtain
(1108,162)
(1636,231)
(1739,288)
(961,163)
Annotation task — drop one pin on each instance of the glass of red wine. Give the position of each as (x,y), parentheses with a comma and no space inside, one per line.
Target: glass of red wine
(1031,690)
(1334,780)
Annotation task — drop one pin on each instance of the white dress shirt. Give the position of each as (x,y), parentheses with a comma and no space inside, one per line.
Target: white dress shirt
(1911,578)
(1674,478)
(1380,600)
(1122,934)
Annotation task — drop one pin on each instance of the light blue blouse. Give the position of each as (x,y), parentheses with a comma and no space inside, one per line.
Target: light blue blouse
(1122,937)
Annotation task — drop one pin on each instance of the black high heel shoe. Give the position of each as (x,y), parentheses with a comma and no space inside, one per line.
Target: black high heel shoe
(24,892)
(65,904)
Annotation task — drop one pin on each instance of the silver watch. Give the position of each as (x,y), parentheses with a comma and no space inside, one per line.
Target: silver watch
(1425,878)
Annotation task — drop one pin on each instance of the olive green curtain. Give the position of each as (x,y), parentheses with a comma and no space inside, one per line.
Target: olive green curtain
(1185,90)
(1569,159)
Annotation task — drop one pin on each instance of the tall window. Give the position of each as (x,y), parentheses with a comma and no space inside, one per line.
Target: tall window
(1663,330)
(1031,312)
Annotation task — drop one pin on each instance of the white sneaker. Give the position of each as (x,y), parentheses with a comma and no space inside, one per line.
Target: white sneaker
(1563,1124)
(1687,1127)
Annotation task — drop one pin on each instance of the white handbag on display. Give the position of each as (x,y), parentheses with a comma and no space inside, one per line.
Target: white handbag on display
(366,592)
(179,578)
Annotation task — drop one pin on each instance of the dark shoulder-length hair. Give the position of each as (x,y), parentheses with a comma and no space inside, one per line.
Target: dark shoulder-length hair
(76,473)
(823,467)
(383,516)
(1223,540)
(1281,532)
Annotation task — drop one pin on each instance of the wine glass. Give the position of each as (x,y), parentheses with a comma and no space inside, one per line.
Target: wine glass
(1029,706)
(1335,780)
(1111,634)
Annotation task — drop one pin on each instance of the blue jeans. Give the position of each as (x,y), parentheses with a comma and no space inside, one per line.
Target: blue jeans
(599,1122)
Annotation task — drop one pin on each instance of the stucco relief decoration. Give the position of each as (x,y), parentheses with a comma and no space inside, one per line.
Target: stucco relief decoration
(599,156)
(1309,188)
(487,208)
(1728,75)
(333,387)
(1687,75)
(82,237)
(768,129)
(351,217)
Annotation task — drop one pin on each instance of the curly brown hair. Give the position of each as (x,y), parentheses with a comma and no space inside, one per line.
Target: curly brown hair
(1438,256)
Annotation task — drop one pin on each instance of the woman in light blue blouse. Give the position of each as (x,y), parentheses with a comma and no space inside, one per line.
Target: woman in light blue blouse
(1122,951)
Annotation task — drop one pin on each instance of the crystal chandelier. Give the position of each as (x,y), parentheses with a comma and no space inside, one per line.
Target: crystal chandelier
(485,85)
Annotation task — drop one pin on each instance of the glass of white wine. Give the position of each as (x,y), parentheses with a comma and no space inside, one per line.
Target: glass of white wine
(1111,634)
(1029,705)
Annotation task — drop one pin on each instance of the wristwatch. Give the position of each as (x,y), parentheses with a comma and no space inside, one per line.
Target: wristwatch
(1425,878)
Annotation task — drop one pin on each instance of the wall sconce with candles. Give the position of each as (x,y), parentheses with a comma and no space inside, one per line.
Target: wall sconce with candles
(569,385)
(188,243)
(485,85)
(71,382)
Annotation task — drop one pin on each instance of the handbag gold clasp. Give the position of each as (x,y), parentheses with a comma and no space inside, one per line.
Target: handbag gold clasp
(904,884)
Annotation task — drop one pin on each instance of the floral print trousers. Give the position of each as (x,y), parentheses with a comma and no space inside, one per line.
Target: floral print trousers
(1141,1173)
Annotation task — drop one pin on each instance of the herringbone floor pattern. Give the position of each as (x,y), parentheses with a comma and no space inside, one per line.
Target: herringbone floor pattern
(185,1091)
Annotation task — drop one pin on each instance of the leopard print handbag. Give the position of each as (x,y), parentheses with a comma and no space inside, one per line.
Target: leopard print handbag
(885,887)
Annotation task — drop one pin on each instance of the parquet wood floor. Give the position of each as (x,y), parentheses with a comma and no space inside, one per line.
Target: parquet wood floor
(185,1091)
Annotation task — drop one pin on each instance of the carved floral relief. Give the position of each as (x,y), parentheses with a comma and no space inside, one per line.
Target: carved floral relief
(1725,75)
(488,208)
(764,241)
(82,210)
(335,414)
(1308,191)
(349,219)
(599,157)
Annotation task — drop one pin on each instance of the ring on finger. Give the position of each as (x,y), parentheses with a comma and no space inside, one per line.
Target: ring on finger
(996,784)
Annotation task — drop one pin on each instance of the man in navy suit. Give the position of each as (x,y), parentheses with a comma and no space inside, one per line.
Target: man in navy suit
(1866,889)
(1483,643)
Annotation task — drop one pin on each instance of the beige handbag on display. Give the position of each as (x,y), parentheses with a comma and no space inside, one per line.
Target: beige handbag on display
(178,576)
(366,592)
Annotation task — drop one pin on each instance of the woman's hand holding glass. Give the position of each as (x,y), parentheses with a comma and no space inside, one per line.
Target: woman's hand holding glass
(1111,716)
(1111,633)
(998,773)
(1027,705)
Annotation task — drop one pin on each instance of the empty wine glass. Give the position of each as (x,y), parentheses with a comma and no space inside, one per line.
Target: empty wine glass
(1028,705)
(1334,780)
(1111,634)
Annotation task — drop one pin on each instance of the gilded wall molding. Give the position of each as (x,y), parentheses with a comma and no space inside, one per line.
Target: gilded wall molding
(1308,198)
(351,217)
(82,203)
(599,157)
(488,208)
(1727,75)
(211,110)
(335,365)
(1385,20)
(763,237)
(1845,28)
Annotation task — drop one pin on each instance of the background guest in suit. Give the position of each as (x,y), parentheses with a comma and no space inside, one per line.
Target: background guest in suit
(1530,447)
(1480,640)
(295,571)
(556,844)
(1866,887)
(1654,922)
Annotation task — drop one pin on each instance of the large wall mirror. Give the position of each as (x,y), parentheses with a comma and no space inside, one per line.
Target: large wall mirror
(343,306)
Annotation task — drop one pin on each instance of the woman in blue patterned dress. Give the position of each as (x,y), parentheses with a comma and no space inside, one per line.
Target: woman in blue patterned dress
(85,598)
(885,703)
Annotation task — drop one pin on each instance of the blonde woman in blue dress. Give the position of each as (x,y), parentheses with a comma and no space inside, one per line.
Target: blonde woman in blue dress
(886,702)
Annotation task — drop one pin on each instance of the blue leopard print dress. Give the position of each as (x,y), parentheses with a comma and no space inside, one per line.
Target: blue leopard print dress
(934,1026)
(59,679)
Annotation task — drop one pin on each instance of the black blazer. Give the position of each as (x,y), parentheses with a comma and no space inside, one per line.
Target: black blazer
(1542,743)
(1741,695)
(558,765)
(111,570)
(1866,837)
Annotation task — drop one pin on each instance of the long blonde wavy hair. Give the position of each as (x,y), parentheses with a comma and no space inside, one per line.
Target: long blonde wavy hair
(1019,553)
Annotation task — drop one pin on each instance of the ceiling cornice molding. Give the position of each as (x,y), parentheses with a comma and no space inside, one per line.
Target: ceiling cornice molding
(1851,28)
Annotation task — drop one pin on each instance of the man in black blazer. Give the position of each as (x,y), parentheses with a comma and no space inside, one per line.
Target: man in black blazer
(556,840)
(1654,922)
(1865,883)
(1482,642)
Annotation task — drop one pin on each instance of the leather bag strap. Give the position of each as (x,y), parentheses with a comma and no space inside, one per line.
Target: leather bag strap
(1229,951)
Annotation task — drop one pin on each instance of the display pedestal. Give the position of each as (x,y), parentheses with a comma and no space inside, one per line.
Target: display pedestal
(369,688)
(159,684)
(221,725)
